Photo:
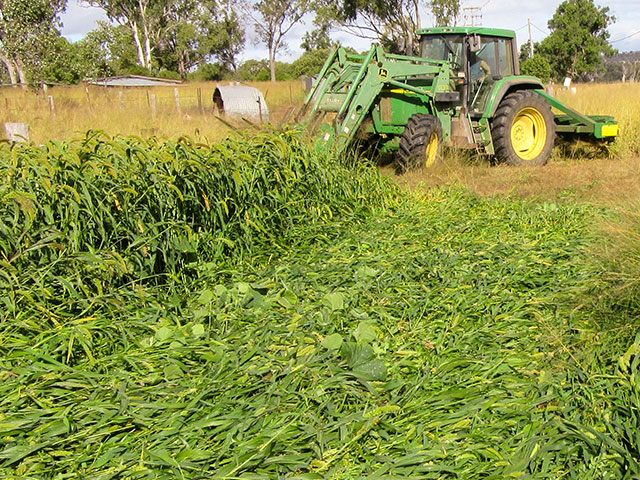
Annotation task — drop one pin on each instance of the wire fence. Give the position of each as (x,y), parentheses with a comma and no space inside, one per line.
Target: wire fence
(65,112)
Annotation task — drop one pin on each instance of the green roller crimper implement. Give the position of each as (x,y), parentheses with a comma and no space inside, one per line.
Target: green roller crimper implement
(464,90)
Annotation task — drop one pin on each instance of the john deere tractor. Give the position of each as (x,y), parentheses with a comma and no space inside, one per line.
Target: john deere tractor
(465,89)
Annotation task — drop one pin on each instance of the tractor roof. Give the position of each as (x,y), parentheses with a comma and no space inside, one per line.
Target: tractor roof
(494,32)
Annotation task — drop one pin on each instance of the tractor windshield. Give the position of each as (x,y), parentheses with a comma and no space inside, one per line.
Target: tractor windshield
(442,47)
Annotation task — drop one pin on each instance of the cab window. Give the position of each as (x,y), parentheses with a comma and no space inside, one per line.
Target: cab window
(487,54)
(497,55)
(505,55)
(443,47)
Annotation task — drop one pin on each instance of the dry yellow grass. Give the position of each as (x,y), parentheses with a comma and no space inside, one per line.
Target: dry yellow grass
(80,108)
(570,171)
(576,170)
(603,181)
(622,100)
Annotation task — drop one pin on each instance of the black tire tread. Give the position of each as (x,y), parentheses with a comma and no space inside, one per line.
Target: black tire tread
(414,141)
(503,119)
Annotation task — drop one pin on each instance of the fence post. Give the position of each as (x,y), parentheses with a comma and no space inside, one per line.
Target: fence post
(86,89)
(52,105)
(200,104)
(154,106)
(176,93)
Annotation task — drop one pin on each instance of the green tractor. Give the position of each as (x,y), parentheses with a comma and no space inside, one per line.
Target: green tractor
(465,90)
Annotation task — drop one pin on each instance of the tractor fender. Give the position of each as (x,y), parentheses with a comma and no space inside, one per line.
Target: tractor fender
(507,85)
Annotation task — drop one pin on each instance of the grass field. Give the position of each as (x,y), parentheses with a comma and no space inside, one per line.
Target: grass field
(578,171)
(254,309)
(241,306)
(78,109)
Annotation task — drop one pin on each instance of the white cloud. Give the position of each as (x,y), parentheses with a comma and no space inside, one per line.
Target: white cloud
(79,20)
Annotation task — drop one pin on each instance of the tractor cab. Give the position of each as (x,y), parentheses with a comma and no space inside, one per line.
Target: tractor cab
(478,57)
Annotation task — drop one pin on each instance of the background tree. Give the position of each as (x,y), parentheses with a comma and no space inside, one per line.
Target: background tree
(393,23)
(229,38)
(537,66)
(117,47)
(200,31)
(28,37)
(445,12)
(525,50)
(275,21)
(145,19)
(579,39)
(317,39)
(75,62)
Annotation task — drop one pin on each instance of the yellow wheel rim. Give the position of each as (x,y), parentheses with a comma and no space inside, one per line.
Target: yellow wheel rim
(432,150)
(529,133)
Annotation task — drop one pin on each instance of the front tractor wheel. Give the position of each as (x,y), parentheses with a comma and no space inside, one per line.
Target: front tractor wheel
(523,130)
(419,143)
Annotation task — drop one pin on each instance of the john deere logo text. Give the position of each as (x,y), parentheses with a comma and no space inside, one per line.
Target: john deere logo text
(383,73)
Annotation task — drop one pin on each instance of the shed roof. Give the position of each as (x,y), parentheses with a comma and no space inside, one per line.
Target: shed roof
(134,81)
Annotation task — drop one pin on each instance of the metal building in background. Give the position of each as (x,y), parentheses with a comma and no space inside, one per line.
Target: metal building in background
(242,101)
(135,81)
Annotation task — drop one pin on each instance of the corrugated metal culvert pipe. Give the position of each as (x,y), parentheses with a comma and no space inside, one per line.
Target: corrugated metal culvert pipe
(241,101)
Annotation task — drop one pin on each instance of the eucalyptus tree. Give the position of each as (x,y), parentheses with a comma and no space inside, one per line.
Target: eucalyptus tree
(29,30)
(145,19)
(393,23)
(273,20)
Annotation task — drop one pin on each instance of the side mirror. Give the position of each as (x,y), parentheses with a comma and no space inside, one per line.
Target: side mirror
(474,43)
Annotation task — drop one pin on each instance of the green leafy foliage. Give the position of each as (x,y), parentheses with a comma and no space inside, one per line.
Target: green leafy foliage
(75,62)
(537,66)
(309,320)
(116,46)
(28,36)
(579,39)
(445,12)
(197,32)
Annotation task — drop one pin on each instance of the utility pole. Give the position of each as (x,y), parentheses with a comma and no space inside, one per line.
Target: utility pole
(472,16)
(530,40)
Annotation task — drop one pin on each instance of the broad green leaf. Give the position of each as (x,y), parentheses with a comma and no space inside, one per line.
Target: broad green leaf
(365,333)
(197,330)
(164,333)
(335,301)
(333,341)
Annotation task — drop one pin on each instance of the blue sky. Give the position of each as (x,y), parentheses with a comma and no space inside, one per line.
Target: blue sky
(511,14)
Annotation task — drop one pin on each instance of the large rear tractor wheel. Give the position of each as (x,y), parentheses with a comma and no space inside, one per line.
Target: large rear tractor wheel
(523,129)
(419,143)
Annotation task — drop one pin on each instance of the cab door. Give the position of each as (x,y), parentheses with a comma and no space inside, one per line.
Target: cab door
(493,61)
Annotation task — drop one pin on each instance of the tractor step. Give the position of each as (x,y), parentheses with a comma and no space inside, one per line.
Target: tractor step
(481,131)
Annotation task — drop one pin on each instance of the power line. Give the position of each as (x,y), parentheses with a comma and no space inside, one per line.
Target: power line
(624,38)
(612,41)
(539,29)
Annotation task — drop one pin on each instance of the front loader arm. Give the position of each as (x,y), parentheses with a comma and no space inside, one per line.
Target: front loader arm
(349,85)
